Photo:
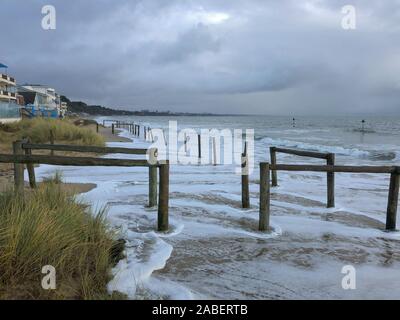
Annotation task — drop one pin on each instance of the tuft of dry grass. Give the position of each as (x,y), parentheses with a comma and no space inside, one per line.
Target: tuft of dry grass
(49,227)
(38,130)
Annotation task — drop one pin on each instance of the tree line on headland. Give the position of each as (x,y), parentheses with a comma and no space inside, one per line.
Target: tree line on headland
(80,107)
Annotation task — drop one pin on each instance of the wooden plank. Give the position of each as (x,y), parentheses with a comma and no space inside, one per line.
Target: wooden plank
(330,161)
(76,148)
(265,197)
(344,169)
(163,199)
(393,199)
(72,161)
(303,153)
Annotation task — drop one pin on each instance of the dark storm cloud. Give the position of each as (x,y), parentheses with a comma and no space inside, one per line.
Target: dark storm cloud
(238,56)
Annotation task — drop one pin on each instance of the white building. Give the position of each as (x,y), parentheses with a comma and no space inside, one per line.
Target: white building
(42,97)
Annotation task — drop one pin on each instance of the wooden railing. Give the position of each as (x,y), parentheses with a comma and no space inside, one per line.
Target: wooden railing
(330,161)
(23,156)
(265,196)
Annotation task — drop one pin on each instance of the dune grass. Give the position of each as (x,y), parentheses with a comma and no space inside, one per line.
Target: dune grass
(49,227)
(38,130)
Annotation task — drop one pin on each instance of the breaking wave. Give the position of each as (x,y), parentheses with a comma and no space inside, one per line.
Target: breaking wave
(352,152)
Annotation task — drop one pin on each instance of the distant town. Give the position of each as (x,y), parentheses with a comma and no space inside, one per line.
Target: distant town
(37,100)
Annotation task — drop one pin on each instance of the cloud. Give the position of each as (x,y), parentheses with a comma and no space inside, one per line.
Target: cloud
(252,56)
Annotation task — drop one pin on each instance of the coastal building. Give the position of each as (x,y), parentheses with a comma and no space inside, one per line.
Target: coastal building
(9,108)
(41,101)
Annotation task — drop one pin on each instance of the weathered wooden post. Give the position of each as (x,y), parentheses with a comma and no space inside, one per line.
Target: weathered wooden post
(199,145)
(145,133)
(215,151)
(330,161)
(265,197)
(18,167)
(151,135)
(245,180)
(185,142)
(97,127)
(163,197)
(51,141)
(393,199)
(152,177)
(112,128)
(30,167)
(272,151)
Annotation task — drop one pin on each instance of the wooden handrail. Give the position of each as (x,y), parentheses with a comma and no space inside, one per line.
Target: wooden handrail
(335,168)
(74,161)
(302,153)
(394,187)
(76,148)
(328,157)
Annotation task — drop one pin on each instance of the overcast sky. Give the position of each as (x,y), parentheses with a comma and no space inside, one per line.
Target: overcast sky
(287,57)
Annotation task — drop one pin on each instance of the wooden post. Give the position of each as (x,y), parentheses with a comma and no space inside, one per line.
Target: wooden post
(152,186)
(18,168)
(215,151)
(245,181)
(393,200)
(112,128)
(272,151)
(265,197)
(31,168)
(145,133)
(52,141)
(330,161)
(199,145)
(151,136)
(97,127)
(152,177)
(185,142)
(163,197)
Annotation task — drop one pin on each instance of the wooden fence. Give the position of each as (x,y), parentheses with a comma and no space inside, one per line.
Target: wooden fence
(22,155)
(265,197)
(330,161)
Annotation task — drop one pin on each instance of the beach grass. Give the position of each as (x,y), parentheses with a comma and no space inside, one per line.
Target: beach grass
(50,227)
(39,131)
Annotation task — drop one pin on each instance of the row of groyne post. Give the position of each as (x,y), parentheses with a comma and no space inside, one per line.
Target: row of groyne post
(159,172)
(269,176)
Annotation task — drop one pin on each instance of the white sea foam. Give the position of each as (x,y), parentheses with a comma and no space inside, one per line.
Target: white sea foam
(205,211)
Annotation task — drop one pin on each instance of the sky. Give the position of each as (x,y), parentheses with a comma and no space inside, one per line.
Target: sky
(286,57)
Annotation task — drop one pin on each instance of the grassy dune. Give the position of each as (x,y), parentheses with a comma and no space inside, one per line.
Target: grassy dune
(38,130)
(49,227)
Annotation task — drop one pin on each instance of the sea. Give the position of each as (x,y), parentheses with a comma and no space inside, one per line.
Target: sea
(214,250)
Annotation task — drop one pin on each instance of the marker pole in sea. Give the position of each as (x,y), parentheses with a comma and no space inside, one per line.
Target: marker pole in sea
(363,125)
(294,122)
